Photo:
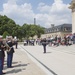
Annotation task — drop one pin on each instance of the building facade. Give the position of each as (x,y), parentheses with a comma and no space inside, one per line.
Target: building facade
(60,30)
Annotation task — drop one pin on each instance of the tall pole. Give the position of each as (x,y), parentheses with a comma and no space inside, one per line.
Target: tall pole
(72,7)
(34,21)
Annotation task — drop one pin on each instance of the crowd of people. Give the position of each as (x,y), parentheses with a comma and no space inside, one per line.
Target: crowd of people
(6,45)
(67,40)
(53,41)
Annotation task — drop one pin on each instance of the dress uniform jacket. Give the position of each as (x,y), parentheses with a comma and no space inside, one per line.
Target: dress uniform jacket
(11,47)
(10,54)
(2,54)
(1,57)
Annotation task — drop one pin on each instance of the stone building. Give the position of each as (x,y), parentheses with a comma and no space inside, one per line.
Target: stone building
(72,7)
(60,30)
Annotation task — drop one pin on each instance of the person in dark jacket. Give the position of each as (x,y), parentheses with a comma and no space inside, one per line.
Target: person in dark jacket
(44,43)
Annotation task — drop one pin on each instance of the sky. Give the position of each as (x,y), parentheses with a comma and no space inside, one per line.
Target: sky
(46,12)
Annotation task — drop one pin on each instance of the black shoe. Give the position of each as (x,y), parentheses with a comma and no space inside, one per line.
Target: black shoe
(3,73)
(10,67)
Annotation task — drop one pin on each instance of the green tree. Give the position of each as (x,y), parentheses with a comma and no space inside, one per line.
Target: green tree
(6,24)
(39,31)
(5,34)
(25,31)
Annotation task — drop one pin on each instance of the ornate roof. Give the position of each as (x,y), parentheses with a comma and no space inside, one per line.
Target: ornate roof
(59,28)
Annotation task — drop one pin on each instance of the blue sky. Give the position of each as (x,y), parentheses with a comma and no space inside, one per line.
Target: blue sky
(46,12)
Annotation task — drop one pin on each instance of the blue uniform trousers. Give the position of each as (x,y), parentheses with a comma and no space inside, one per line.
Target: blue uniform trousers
(9,60)
(1,66)
(44,48)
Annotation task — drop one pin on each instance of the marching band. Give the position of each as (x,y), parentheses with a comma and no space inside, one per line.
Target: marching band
(6,45)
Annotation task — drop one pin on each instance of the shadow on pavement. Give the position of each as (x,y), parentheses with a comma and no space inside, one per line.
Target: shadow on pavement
(17,68)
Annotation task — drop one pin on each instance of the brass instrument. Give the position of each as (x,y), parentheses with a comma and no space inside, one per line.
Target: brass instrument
(8,48)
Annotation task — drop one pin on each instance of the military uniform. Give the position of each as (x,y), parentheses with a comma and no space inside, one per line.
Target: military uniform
(10,54)
(2,54)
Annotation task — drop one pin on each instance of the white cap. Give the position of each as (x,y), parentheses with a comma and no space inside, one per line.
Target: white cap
(1,36)
(10,37)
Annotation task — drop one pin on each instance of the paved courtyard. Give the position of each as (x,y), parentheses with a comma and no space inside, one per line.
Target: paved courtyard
(22,65)
(58,60)
(30,60)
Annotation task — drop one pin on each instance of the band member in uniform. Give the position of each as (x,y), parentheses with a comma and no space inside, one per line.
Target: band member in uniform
(44,43)
(2,55)
(16,42)
(10,52)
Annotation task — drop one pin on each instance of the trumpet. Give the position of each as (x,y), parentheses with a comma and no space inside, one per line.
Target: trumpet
(6,46)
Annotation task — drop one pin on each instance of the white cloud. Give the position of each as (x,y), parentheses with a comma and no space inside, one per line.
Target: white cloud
(57,13)
(20,13)
(43,8)
(58,6)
